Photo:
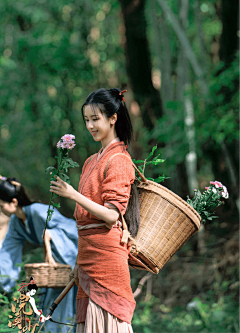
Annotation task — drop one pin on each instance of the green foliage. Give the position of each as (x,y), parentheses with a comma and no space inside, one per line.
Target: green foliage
(155,161)
(204,316)
(53,55)
(220,120)
(205,202)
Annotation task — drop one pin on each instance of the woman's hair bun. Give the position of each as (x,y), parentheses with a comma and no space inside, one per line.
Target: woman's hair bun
(116,93)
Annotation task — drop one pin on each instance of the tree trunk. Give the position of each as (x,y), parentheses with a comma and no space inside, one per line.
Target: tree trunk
(203,53)
(184,95)
(231,173)
(238,27)
(149,289)
(139,67)
(229,44)
(229,40)
(163,52)
(164,57)
(183,39)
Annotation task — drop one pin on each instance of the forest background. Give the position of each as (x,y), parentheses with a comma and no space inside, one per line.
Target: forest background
(179,62)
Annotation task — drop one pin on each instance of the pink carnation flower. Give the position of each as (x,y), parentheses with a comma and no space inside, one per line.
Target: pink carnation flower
(68,144)
(225,192)
(59,144)
(71,145)
(217,184)
(67,137)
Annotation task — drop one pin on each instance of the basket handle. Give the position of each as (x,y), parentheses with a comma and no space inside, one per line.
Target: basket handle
(140,174)
(126,234)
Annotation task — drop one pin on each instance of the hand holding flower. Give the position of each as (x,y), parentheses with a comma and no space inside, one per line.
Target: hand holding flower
(62,188)
(64,162)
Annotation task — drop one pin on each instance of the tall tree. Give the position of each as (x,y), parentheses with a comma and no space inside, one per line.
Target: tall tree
(225,155)
(229,41)
(138,61)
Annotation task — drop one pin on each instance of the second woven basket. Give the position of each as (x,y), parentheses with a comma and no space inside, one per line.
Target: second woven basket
(46,276)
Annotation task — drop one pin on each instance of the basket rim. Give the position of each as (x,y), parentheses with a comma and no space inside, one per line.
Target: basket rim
(45,264)
(163,188)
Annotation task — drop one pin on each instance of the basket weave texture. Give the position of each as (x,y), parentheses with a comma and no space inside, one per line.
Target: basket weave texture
(47,276)
(166,223)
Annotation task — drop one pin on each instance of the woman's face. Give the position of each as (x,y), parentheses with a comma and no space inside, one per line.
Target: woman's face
(32,292)
(98,124)
(8,208)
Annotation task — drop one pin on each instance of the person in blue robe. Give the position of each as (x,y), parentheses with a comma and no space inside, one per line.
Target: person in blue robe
(27,221)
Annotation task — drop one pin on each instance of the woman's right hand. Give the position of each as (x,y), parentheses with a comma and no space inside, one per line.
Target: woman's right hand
(74,274)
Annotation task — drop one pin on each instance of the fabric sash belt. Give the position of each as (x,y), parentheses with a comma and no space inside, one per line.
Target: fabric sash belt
(89,226)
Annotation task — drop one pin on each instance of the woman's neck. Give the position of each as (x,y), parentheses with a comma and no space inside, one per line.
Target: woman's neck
(107,140)
(111,142)
(20,214)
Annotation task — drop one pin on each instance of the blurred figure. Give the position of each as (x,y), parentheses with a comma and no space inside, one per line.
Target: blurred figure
(27,221)
(4,222)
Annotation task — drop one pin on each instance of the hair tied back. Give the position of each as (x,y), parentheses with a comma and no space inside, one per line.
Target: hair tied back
(121,94)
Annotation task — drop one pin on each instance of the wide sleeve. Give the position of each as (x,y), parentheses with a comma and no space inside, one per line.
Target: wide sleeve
(63,232)
(116,187)
(83,170)
(11,254)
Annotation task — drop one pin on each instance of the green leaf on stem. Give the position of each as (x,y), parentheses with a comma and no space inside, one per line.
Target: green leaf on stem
(64,177)
(50,169)
(56,205)
(152,152)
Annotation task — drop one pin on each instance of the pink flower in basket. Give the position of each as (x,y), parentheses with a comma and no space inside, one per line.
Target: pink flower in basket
(217,184)
(225,192)
(205,202)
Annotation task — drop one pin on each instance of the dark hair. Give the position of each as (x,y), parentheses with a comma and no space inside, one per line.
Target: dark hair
(132,214)
(10,189)
(32,285)
(110,102)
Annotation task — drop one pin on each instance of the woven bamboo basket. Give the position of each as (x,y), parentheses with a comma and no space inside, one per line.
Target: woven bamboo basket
(166,223)
(47,276)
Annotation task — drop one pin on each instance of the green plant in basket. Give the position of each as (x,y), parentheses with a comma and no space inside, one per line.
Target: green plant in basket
(63,163)
(155,161)
(205,202)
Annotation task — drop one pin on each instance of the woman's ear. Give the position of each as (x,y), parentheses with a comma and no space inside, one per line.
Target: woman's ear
(113,119)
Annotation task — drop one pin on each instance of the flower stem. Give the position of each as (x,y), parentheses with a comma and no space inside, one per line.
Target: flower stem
(47,215)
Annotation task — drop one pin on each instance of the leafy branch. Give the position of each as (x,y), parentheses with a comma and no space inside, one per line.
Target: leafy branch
(155,161)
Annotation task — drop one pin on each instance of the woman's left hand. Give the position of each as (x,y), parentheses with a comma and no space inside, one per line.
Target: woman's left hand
(62,188)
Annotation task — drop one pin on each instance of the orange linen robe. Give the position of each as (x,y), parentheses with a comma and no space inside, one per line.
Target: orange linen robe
(103,260)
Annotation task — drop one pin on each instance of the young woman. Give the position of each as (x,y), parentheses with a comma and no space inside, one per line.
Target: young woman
(27,221)
(105,301)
